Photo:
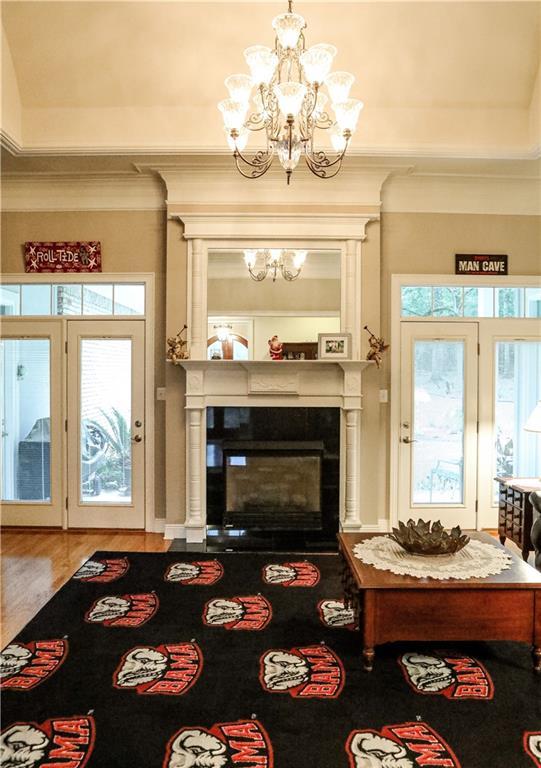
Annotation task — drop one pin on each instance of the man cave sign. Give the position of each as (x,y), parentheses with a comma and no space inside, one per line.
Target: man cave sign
(407,745)
(456,677)
(168,669)
(123,610)
(102,571)
(25,665)
(306,672)
(195,573)
(302,574)
(62,742)
(243,743)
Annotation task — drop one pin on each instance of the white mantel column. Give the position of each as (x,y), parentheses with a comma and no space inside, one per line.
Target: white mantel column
(352,516)
(195,481)
(198,332)
(352,309)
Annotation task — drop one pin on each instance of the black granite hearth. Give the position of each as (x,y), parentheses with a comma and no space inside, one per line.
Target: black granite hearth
(227,540)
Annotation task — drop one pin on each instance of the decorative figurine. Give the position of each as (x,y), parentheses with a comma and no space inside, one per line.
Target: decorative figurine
(377,347)
(275,348)
(178,347)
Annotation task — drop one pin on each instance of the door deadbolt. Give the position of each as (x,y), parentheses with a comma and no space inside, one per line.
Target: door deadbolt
(138,423)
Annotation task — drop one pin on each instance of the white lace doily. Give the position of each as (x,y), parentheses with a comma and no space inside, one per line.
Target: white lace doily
(475,560)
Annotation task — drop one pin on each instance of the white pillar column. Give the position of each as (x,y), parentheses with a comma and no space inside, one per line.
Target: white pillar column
(198,330)
(352,314)
(195,521)
(352,519)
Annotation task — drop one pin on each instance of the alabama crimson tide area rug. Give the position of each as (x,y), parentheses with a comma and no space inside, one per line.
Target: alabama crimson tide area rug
(183,660)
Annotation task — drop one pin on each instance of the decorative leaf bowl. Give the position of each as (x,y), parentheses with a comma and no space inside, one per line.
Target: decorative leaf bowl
(420,538)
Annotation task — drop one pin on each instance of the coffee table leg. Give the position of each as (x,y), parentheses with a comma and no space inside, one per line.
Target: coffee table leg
(369,639)
(368,659)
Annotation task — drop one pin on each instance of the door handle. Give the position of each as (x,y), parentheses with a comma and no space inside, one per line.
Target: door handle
(408,440)
(137,438)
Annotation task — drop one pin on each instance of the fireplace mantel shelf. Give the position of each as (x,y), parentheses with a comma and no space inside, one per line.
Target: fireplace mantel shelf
(274,365)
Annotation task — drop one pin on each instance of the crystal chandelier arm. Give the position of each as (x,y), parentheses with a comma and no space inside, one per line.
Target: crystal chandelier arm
(288,275)
(319,163)
(262,274)
(258,165)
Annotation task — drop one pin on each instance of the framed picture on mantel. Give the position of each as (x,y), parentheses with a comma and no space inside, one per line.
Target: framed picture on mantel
(334,346)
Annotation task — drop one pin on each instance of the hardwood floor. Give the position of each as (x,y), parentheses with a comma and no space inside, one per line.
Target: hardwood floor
(36,563)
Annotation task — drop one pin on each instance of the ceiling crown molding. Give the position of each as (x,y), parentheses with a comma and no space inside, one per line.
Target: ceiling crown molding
(97,192)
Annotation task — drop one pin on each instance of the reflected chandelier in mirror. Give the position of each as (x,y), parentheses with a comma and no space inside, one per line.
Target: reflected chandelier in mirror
(274,260)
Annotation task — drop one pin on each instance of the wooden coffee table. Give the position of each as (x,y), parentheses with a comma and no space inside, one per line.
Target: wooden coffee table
(393,608)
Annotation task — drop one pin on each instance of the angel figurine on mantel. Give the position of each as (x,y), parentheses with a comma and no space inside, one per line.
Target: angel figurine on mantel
(377,347)
(177,348)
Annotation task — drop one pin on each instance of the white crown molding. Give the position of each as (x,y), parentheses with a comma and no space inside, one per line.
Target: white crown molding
(284,226)
(97,192)
(205,186)
(462,194)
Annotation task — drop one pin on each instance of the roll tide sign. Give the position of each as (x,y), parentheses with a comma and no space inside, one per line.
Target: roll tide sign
(474,264)
(63,257)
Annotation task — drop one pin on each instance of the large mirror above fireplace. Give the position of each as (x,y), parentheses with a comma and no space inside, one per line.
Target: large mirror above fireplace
(256,293)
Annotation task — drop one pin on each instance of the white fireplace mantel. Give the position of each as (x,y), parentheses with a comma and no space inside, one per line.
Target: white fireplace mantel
(267,383)
(272,384)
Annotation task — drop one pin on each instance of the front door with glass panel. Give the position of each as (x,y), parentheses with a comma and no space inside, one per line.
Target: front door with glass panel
(31,444)
(438,423)
(106,430)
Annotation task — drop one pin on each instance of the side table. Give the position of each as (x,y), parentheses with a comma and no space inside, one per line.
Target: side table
(515,514)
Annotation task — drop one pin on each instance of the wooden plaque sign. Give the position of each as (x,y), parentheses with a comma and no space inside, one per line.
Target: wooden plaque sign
(473,264)
(63,257)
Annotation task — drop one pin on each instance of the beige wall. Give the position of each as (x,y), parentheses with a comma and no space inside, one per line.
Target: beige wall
(245,295)
(131,242)
(426,243)
(410,243)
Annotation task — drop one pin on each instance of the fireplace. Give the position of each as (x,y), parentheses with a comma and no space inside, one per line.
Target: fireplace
(273,485)
(273,469)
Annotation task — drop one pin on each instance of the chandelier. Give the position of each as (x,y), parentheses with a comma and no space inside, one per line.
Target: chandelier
(274,260)
(285,85)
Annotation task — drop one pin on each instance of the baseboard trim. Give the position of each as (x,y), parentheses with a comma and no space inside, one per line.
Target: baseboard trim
(158,525)
(174,531)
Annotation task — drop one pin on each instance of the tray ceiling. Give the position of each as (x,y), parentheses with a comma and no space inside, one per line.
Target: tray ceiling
(450,79)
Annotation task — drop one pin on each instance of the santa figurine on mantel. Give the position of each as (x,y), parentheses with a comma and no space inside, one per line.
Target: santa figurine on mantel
(275,348)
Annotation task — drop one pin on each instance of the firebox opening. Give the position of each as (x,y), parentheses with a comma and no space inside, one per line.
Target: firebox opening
(273,473)
(275,485)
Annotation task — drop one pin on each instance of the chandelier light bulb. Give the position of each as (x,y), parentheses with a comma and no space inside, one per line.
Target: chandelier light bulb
(339,85)
(290,96)
(347,114)
(262,63)
(239,87)
(317,62)
(250,258)
(239,142)
(223,331)
(288,27)
(338,140)
(233,113)
(299,257)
